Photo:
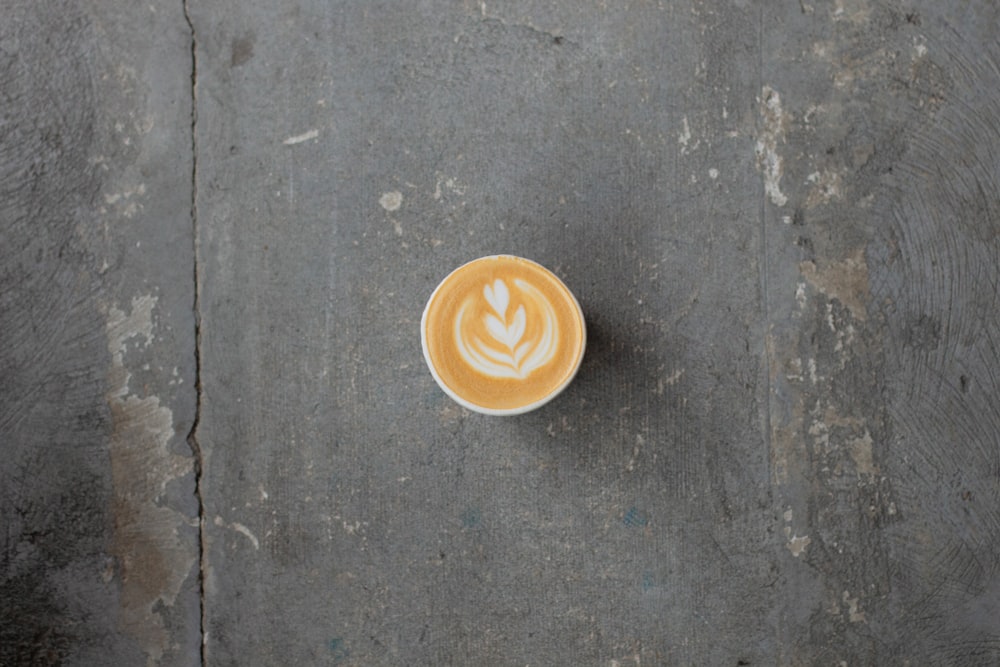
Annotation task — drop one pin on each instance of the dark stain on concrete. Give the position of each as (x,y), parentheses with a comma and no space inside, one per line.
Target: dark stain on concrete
(54,486)
(241,50)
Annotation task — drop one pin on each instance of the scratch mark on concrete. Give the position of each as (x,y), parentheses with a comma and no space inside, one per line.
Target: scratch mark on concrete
(557,39)
(685,136)
(639,442)
(784,444)
(239,528)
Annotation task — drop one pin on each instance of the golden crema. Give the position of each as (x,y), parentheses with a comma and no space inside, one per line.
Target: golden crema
(502,335)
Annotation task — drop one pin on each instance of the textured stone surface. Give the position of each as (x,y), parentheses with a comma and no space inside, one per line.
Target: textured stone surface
(99,553)
(779,218)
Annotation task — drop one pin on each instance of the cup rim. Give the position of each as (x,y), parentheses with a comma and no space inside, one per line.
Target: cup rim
(503,411)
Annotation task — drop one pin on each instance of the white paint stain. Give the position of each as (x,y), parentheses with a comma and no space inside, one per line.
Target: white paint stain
(713,173)
(772,133)
(391,201)
(299,138)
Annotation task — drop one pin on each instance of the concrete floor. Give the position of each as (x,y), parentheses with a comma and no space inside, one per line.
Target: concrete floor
(220,224)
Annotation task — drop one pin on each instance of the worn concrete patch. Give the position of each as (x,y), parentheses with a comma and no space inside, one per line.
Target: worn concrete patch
(845,281)
(153,559)
(772,133)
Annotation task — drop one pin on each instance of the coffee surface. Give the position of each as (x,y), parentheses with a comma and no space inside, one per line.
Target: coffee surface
(503,333)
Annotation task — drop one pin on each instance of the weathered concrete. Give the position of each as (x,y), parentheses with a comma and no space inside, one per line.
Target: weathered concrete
(100,549)
(780,219)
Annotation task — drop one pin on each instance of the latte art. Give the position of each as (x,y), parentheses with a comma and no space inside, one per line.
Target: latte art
(505,353)
(502,335)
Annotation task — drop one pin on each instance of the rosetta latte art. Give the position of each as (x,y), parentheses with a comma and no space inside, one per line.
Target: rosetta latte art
(502,335)
(500,345)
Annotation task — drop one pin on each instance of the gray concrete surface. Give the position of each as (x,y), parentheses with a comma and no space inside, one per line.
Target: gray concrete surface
(221,222)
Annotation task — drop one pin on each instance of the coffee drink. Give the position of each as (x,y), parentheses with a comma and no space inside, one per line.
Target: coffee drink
(502,335)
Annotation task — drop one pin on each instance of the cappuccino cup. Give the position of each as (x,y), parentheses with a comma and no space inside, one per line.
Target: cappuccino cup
(502,335)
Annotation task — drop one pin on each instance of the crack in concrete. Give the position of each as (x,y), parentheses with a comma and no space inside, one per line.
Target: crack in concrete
(192,437)
(528,28)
